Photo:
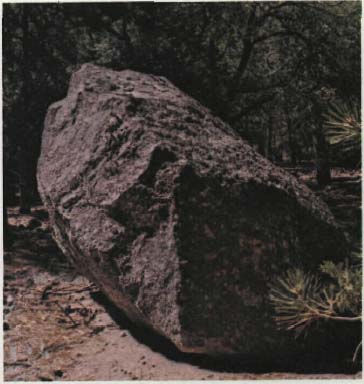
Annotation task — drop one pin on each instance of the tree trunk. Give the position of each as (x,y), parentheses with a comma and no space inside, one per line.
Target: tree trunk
(7,196)
(268,139)
(25,198)
(26,182)
(8,238)
(214,102)
(291,143)
(323,172)
(24,164)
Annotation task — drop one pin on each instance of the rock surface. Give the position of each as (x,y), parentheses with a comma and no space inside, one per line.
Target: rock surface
(177,219)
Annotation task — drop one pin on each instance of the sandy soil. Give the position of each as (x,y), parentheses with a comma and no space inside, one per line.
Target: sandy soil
(58,326)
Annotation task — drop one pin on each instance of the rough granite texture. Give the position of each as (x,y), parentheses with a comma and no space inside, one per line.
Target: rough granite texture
(176,218)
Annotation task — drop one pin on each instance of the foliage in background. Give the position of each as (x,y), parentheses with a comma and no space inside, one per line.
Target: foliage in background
(257,65)
(301,299)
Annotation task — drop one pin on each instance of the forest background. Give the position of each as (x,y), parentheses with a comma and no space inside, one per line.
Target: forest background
(272,70)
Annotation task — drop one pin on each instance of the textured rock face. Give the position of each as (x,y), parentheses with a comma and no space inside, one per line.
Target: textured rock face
(179,221)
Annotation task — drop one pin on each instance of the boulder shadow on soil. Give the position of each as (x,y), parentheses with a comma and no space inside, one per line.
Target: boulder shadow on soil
(327,360)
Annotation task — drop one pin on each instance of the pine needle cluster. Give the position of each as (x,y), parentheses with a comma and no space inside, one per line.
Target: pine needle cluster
(343,126)
(301,299)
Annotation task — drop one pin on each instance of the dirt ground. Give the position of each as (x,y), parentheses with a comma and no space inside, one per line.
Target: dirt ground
(59,326)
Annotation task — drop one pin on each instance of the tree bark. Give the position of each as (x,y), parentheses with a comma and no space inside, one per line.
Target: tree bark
(8,238)
(323,172)
(291,142)
(268,139)
(25,186)
(25,198)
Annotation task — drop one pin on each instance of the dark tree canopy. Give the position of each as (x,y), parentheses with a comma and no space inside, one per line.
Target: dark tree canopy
(267,68)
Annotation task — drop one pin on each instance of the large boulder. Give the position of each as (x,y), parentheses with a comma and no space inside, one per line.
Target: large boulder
(175,217)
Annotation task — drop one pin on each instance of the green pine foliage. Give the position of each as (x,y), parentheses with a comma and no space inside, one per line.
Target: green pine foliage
(345,291)
(301,299)
(342,127)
